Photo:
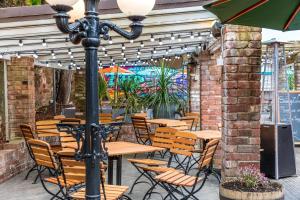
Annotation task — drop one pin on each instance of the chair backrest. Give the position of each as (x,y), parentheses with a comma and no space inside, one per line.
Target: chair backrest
(140,115)
(189,121)
(164,137)
(142,132)
(59,117)
(47,125)
(65,138)
(196,118)
(139,123)
(208,153)
(184,143)
(43,154)
(105,117)
(27,132)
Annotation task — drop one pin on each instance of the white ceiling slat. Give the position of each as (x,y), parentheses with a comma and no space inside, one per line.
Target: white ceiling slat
(161,23)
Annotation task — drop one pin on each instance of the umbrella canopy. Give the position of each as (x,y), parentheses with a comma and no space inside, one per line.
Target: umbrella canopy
(115,70)
(281,15)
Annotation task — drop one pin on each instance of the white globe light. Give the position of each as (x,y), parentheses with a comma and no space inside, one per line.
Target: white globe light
(78,11)
(60,2)
(136,7)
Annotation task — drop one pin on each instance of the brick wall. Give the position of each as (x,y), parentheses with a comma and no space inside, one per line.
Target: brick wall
(210,91)
(79,90)
(43,86)
(21,94)
(241,98)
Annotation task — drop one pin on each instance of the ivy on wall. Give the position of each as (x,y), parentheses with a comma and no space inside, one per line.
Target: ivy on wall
(14,3)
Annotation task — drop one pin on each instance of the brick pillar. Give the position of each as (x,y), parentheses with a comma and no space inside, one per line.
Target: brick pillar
(240,98)
(79,91)
(21,94)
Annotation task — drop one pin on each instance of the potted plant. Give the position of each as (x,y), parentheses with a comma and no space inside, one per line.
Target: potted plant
(251,185)
(102,90)
(165,96)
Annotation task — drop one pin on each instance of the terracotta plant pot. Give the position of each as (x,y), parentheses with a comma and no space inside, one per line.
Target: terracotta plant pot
(228,194)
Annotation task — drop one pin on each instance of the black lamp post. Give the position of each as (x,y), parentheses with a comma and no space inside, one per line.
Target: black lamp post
(88,31)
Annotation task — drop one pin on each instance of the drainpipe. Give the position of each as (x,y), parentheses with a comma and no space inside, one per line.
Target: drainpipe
(7,132)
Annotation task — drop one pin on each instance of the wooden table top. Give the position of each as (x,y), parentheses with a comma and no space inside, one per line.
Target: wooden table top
(124,148)
(208,134)
(167,122)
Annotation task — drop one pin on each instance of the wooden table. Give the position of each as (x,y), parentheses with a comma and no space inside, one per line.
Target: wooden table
(207,134)
(116,150)
(167,122)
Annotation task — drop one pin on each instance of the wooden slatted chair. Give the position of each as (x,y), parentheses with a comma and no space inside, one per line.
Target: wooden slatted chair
(196,117)
(46,129)
(67,140)
(75,171)
(28,134)
(177,182)
(142,131)
(44,158)
(106,117)
(59,117)
(163,138)
(189,121)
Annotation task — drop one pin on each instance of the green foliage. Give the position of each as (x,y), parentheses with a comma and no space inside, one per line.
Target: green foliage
(131,100)
(14,3)
(251,178)
(164,94)
(102,90)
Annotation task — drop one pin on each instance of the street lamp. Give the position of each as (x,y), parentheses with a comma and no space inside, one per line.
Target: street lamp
(88,31)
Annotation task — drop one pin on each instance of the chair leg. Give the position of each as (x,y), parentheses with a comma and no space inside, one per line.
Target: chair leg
(136,182)
(31,170)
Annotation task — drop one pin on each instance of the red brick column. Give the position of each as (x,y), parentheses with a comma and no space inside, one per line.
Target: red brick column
(240,99)
(21,94)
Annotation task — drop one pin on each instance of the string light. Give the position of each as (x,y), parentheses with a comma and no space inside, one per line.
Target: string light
(84,62)
(154,50)
(170,49)
(69,51)
(185,47)
(131,41)
(18,55)
(35,55)
(21,43)
(142,44)
(47,64)
(53,54)
(152,38)
(192,35)
(110,40)
(160,41)
(1,55)
(105,54)
(44,43)
(103,48)
(172,36)
(111,58)
(139,52)
(179,38)
(59,63)
(123,46)
(122,53)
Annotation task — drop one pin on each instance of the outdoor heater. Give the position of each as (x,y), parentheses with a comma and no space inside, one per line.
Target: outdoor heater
(88,30)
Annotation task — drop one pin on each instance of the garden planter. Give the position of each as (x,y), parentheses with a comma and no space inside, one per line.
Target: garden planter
(231,194)
(162,112)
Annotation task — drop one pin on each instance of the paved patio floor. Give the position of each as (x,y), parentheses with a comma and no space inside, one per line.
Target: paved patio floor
(18,188)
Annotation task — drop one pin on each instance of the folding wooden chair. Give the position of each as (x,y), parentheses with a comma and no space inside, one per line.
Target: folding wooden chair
(28,134)
(142,131)
(74,171)
(186,186)
(106,117)
(196,117)
(163,138)
(189,121)
(44,158)
(67,140)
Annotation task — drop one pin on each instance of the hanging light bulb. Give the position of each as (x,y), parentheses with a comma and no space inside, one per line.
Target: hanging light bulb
(47,64)
(192,35)
(131,41)
(172,36)
(152,38)
(59,63)
(167,51)
(160,41)
(138,56)
(126,62)
(18,55)
(142,44)
(179,38)
(139,52)
(71,56)
(53,54)
(123,46)
(21,43)
(182,50)
(154,50)
(151,59)
(170,49)
(44,43)
(185,47)
(110,40)
(69,51)
(84,62)
(103,48)
(105,54)
(1,55)
(200,46)
(111,58)
(122,53)
(124,58)
(35,55)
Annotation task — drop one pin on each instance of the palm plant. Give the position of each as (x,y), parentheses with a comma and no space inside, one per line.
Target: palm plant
(102,90)
(166,96)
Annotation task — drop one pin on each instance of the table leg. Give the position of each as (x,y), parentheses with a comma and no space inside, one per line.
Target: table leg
(119,170)
(110,178)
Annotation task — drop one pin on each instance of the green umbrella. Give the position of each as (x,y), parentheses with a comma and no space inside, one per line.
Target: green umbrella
(281,15)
